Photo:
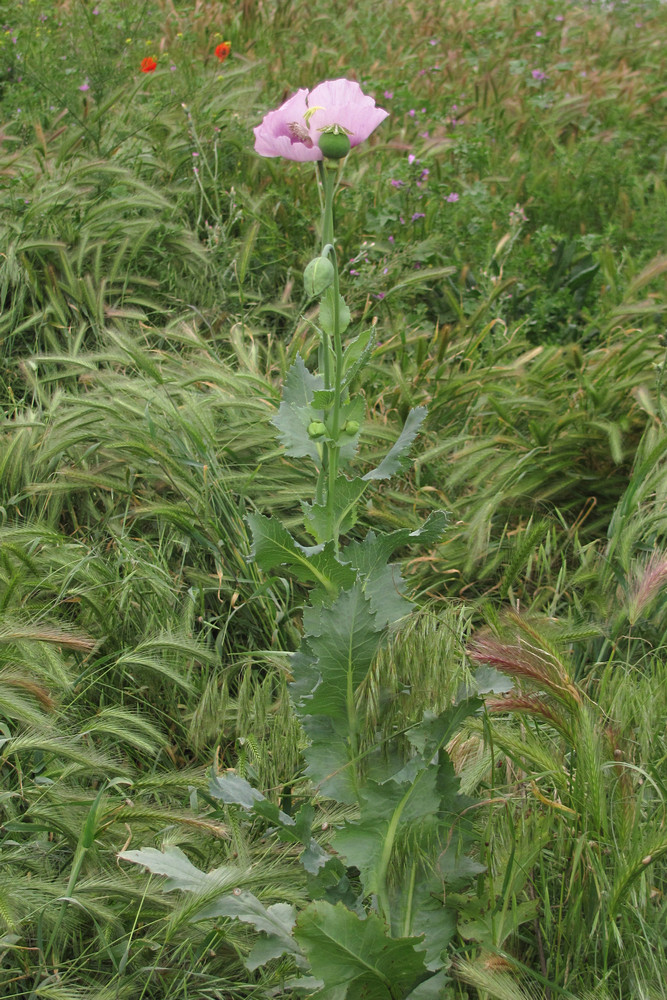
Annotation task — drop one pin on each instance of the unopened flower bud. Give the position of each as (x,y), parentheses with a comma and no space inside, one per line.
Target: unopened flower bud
(334,144)
(317,277)
(351,427)
(316,429)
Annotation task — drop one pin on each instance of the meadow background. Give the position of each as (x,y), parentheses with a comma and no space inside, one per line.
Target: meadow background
(504,231)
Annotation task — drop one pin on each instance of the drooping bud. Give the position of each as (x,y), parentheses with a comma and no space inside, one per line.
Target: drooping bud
(334,142)
(316,429)
(317,277)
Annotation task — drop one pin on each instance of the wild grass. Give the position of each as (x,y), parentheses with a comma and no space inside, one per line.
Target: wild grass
(504,233)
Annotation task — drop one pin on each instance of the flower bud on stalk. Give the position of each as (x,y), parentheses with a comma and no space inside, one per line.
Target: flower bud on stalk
(317,277)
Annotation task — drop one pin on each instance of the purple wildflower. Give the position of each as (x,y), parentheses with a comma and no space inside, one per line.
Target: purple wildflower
(85,86)
(293,130)
(537,74)
(418,215)
(453,196)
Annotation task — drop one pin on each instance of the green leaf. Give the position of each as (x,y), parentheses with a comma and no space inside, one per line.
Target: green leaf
(328,760)
(324,523)
(420,801)
(234,790)
(382,582)
(345,951)
(275,921)
(180,872)
(274,546)
(342,639)
(432,988)
(356,354)
(394,461)
(326,315)
(354,409)
(296,412)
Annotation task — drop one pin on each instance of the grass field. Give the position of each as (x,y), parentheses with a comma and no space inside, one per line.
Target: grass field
(500,244)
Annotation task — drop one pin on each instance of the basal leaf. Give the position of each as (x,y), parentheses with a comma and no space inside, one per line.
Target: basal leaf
(235,790)
(276,921)
(395,459)
(432,988)
(345,951)
(328,760)
(173,863)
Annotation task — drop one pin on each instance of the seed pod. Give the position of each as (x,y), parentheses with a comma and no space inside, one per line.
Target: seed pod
(334,145)
(317,277)
(316,429)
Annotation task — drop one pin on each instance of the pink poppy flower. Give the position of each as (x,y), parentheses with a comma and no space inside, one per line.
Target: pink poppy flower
(294,129)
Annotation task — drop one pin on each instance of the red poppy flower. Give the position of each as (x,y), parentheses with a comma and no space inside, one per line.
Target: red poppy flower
(222,50)
(148,65)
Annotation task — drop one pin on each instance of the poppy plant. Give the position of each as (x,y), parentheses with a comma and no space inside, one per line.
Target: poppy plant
(148,65)
(334,108)
(222,50)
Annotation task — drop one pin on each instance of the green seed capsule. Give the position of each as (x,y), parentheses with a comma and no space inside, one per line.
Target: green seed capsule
(316,429)
(334,145)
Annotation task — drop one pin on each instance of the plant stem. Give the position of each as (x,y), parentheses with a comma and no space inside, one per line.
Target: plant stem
(332,451)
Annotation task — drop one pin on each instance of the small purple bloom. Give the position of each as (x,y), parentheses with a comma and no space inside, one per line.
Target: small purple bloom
(433,41)
(392,239)
(96,11)
(397,184)
(425,172)
(412,159)
(559,17)
(388,94)
(453,196)
(294,129)
(412,112)
(85,86)
(538,34)
(537,74)
(423,135)
(418,215)
(380,295)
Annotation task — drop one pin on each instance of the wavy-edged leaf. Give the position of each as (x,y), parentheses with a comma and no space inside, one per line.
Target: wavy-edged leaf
(394,460)
(296,412)
(357,955)
(274,546)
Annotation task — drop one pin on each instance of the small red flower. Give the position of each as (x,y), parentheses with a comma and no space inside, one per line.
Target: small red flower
(222,50)
(148,65)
